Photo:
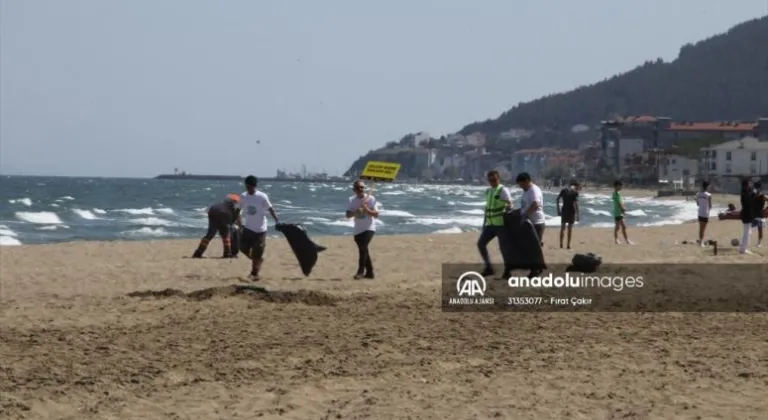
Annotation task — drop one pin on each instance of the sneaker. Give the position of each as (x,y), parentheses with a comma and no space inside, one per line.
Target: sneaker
(358,276)
(369,276)
(747,252)
(759,244)
(255,276)
(630,242)
(487,271)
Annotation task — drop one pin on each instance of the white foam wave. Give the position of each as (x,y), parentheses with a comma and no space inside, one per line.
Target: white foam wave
(471,203)
(448,231)
(136,212)
(40,217)
(153,221)
(394,193)
(343,222)
(149,232)
(67,197)
(429,221)
(638,212)
(395,213)
(99,211)
(590,210)
(25,201)
(318,219)
(53,227)
(473,211)
(603,225)
(165,210)
(85,214)
(6,231)
(9,241)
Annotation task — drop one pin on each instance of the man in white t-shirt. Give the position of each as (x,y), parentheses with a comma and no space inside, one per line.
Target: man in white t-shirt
(532,203)
(253,239)
(362,207)
(704,201)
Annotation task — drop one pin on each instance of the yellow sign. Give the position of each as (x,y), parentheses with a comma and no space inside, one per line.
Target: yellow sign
(380,171)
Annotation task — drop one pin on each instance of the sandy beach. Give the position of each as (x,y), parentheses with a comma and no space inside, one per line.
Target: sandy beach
(81,338)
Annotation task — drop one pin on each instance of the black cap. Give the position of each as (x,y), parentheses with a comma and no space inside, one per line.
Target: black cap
(251,181)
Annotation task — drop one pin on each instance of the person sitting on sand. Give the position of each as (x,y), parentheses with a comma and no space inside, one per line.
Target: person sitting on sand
(618,213)
(362,207)
(221,216)
(704,201)
(569,213)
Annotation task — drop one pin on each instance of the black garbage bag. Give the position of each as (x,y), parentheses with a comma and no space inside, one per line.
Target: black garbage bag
(234,234)
(524,246)
(585,263)
(302,246)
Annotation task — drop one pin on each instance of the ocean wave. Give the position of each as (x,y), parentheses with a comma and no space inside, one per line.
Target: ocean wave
(9,241)
(25,201)
(154,221)
(473,212)
(99,211)
(429,221)
(149,232)
(6,231)
(85,214)
(395,213)
(449,231)
(40,217)
(148,211)
(53,227)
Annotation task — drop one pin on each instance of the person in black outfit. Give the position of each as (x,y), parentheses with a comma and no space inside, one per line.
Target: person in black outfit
(758,220)
(221,216)
(747,214)
(569,213)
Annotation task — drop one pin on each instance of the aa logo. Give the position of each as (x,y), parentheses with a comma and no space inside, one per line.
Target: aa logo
(471,284)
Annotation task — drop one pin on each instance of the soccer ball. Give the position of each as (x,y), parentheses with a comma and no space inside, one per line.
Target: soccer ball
(735,242)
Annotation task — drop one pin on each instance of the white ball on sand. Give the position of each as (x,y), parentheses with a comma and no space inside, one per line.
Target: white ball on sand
(735,242)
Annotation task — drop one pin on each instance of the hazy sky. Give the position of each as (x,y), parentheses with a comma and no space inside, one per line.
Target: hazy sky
(138,87)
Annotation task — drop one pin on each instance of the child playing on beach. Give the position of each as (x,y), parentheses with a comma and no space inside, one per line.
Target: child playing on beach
(618,213)
(704,201)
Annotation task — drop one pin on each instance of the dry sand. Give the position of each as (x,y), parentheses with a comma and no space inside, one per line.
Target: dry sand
(74,345)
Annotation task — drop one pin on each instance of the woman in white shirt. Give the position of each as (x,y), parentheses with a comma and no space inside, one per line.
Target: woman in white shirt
(704,201)
(362,207)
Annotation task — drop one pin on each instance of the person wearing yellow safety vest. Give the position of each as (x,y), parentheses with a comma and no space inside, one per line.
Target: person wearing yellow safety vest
(497,201)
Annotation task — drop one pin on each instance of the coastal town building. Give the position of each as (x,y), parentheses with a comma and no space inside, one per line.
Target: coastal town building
(747,156)
(663,133)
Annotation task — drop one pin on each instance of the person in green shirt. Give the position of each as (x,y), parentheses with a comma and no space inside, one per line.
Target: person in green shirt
(497,201)
(618,213)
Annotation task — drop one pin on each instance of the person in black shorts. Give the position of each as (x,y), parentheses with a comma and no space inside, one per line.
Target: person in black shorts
(221,216)
(569,212)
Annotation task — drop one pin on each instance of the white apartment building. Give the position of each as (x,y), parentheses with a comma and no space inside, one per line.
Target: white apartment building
(743,157)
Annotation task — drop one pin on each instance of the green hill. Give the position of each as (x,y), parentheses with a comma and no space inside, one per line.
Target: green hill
(722,78)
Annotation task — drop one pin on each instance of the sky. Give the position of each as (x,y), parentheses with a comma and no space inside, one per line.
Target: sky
(137,88)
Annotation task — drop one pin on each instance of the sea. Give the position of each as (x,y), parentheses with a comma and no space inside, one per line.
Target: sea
(40,210)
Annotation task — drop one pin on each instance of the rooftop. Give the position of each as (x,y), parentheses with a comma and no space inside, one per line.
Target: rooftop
(749,143)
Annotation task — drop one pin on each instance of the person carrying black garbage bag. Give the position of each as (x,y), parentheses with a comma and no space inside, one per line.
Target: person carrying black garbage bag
(497,201)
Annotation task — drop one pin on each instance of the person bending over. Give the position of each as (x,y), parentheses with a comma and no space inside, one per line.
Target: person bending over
(497,201)
(569,213)
(220,218)
(253,238)
(362,207)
